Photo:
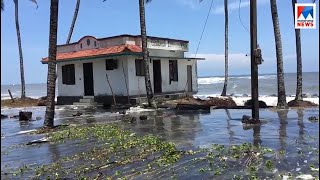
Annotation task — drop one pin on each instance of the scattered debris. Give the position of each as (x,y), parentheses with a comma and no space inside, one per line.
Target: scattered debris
(249,103)
(295,103)
(192,107)
(130,119)
(15,116)
(4,116)
(42,101)
(305,176)
(38,118)
(77,114)
(249,121)
(143,117)
(313,119)
(38,141)
(27,131)
(25,115)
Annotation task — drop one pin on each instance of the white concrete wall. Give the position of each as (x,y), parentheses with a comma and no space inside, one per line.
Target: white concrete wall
(101,86)
(77,46)
(85,45)
(165,53)
(67,48)
(71,90)
(116,78)
(112,42)
(137,83)
(179,85)
(153,44)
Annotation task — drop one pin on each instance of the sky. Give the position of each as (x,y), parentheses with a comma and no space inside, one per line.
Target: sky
(178,19)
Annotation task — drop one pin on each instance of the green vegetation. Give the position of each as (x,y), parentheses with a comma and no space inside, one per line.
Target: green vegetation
(111,152)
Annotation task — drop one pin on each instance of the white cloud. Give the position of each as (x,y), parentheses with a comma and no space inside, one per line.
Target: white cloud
(193,4)
(233,6)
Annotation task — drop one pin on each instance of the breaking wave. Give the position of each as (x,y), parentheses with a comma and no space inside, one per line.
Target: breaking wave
(216,80)
(211,80)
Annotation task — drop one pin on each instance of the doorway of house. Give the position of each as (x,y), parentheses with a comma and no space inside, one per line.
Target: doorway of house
(157,81)
(88,79)
(189,77)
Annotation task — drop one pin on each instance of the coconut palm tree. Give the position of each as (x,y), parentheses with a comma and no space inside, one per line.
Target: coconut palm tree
(51,81)
(224,91)
(23,85)
(150,98)
(299,59)
(16,7)
(282,103)
(75,15)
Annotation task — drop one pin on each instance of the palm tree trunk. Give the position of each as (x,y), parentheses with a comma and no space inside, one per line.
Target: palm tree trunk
(299,59)
(224,91)
(145,53)
(282,103)
(2,5)
(75,15)
(51,81)
(23,90)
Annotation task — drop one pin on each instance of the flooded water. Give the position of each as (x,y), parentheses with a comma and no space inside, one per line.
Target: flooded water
(285,130)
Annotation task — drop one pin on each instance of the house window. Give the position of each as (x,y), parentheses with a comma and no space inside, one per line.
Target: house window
(88,42)
(173,70)
(140,67)
(111,64)
(81,45)
(95,44)
(68,74)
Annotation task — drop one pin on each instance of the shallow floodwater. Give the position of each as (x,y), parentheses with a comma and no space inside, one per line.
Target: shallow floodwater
(288,130)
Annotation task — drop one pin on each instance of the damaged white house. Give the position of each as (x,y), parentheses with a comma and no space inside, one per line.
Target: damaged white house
(84,66)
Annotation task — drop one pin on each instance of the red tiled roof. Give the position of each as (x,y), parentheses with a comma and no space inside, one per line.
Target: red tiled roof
(96,52)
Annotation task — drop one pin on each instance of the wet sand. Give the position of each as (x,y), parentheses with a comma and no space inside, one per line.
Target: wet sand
(293,139)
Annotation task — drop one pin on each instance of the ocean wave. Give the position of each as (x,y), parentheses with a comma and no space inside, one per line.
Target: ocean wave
(211,80)
(269,100)
(216,80)
(259,77)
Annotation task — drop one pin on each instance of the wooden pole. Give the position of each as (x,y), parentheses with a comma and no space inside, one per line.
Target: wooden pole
(114,99)
(125,80)
(10,95)
(254,65)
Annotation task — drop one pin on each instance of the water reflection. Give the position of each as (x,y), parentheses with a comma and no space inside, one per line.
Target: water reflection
(54,152)
(177,127)
(283,116)
(300,124)
(256,135)
(230,132)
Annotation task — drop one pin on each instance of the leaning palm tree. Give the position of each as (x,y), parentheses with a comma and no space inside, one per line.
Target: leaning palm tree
(224,91)
(299,59)
(75,15)
(16,7)
(51,81)
(282,103)
(150,98)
